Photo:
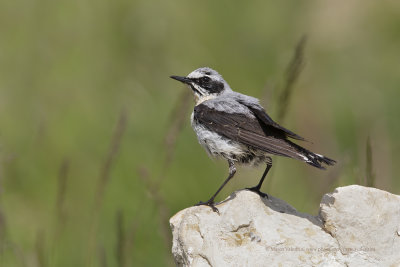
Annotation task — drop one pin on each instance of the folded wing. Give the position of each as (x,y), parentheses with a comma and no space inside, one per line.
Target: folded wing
(249,130)
(260,113)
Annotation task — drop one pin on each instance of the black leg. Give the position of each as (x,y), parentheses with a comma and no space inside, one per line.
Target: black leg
(258,187)
(210,202)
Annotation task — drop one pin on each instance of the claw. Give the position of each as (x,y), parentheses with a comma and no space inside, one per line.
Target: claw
(255,189)
(210,204)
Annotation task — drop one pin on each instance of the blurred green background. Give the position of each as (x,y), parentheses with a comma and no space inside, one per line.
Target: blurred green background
(96,148)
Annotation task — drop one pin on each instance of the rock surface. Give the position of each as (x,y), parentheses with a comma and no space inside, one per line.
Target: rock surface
(356,226)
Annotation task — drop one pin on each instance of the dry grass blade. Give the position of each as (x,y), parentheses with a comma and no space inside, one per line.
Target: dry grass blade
(40,249)
(292,74)
(162,208)
(112,152)
(121,240)
(130,240)
(177,119)
(101,186)
(6,245)
(176,123)
(2,216)
(102,256)
(370,176)
(3,228)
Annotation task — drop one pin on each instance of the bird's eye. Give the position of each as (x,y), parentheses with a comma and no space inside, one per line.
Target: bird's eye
(205,79)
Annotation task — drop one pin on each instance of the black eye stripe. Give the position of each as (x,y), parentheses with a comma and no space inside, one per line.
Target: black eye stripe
(216,87)
(210,85)
(204,79)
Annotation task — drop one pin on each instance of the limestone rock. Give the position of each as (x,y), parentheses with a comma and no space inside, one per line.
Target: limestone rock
(357,226)
(365,222)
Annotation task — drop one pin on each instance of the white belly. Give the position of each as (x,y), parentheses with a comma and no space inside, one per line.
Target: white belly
(217,145)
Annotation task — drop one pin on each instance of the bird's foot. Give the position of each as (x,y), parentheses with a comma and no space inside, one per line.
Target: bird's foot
(256,189)
(209,203)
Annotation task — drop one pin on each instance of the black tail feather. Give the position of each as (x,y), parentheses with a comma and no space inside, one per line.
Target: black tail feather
(313,159)
(317,160)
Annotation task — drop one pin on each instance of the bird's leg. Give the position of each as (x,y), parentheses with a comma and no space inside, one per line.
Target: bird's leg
(257,188)
(210,202)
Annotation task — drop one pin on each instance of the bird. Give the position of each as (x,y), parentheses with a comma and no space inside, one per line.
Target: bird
(235,127)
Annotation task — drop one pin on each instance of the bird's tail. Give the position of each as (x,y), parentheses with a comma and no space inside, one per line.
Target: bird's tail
(311,158)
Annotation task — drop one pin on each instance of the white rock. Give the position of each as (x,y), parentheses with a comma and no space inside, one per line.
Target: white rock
(357,226)
(364,221)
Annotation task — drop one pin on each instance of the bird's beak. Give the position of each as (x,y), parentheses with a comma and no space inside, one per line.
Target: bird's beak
(181,79)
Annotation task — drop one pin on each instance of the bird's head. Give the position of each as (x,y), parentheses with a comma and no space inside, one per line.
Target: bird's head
(205,83)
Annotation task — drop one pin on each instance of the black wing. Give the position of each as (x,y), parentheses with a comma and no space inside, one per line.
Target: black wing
(260,113)
(247,130)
